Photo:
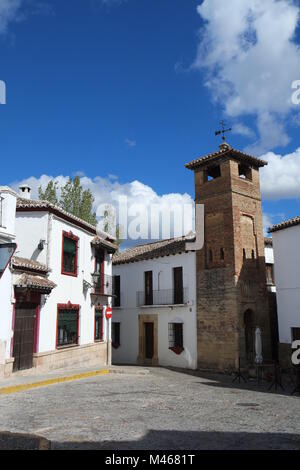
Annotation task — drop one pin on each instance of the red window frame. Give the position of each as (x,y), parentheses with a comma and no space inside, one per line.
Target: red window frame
(73,237)
(68,306)
(101,339)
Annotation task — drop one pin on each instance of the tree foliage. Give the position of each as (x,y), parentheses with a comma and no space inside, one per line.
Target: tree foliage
(73,199)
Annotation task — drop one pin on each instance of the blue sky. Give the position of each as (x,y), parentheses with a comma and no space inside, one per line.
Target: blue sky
(129,91)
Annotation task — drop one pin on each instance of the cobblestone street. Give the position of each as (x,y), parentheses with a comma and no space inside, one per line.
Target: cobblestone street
(161,409)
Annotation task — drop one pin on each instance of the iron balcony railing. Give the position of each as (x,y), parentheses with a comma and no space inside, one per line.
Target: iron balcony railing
(162,297)
(103,284)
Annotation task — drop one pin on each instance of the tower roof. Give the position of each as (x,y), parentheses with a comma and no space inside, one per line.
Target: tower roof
(228,151)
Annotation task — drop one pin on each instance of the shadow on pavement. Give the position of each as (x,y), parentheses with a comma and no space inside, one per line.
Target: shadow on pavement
(163,440)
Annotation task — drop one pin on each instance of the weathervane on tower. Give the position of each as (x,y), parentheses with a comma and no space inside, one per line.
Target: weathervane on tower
(223,131)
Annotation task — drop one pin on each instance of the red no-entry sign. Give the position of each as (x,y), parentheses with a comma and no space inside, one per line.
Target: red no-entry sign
(108,312)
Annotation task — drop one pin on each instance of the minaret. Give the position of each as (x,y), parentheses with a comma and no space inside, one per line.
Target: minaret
(231,288)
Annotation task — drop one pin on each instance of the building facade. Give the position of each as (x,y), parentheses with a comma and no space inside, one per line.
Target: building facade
(154,320)
(231,275)
(62,277)
(286,243)
(7,237)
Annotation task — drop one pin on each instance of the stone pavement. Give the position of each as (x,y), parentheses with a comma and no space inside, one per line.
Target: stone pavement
(162,409)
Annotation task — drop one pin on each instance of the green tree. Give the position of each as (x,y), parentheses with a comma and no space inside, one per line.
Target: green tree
(50,193)
(77,201)
(73,199)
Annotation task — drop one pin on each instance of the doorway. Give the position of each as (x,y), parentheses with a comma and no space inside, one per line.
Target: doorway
(149,340)
(24,336)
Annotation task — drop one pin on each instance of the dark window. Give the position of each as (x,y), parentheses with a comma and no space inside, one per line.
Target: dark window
(70,254)
(148,288)
(213,173)
(67,326)
(253,254)
(99,324)
(115,334)
(99,269)
(296,334)
(211,256)
(117,291)
(178,286)
(244,253)
(222,254)
(175,335)
(245,172)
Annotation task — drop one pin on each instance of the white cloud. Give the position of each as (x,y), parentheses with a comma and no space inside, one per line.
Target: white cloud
(243,130)
(9,10)
(109,190)
(280,179)
(248,48)
(130,143)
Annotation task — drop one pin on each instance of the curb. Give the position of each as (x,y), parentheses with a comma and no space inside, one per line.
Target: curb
(45,383)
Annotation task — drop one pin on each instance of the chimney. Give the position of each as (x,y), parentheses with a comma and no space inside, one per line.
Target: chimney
(25,191)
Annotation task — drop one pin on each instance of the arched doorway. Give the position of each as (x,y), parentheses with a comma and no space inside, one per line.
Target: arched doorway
(249,335)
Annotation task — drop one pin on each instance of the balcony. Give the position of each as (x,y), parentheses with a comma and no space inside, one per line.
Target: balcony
(168,297)
(103,285)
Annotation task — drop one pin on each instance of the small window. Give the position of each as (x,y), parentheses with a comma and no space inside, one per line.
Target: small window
(115,335)
(99,324)
(213,173)
(253,254)
(296,334)
(244,253)
(70,254)
(176,337)
(245,172)
(67,325)
(117,291)
(222,254)
(211,257)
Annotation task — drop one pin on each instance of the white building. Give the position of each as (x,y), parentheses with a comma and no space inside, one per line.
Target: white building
(286,243)
(62,288)
(7,246)
(154,320)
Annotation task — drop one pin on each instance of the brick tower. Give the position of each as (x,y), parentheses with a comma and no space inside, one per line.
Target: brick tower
(231,283)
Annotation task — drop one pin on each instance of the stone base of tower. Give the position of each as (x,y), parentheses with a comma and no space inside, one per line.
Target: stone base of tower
(226,321)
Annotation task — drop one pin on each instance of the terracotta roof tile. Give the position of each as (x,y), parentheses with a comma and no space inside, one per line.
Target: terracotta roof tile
(108,245)
(158,249)
(24,263)
(286,224)
(27,204)
(31,281)
(226,149)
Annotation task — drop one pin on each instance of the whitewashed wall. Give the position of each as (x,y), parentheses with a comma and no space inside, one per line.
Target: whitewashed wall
(132,280)
(286,244)
(31,228)
(7,235)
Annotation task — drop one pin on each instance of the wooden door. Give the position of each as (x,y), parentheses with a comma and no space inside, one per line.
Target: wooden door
(178,286)
(24,332)
(149,340)
(148,288)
